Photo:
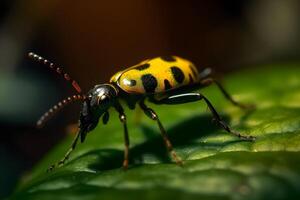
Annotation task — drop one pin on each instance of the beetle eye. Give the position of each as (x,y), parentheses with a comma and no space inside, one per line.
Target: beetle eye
(103,99)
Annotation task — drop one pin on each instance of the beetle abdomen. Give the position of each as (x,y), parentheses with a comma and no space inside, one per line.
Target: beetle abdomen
(157,75)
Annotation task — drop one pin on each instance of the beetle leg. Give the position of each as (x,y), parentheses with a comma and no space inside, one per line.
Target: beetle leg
(122,118)
(209,81)
(152,115)
(126,139)
(63,160)
(191,97)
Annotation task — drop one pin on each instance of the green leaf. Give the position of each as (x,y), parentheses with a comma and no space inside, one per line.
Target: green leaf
(217,165)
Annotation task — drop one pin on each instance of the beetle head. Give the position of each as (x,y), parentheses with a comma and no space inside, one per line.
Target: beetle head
(97,103)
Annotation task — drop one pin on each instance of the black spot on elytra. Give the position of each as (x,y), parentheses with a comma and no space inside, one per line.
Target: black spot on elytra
(177,74)
(167,84)
(191,78)
(168,58)
(149,83)
(142,67)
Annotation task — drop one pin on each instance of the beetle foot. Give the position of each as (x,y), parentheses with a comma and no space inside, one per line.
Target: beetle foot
(245,137)
(247,107)
(226,128)
(58,164)
(125,165)
(176,158)
(50,169)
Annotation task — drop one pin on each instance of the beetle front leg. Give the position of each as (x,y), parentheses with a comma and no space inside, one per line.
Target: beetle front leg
(63,160)
(152,115)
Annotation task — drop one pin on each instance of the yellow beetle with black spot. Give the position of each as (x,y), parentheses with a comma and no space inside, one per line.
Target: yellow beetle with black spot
(156,75)
(161,80)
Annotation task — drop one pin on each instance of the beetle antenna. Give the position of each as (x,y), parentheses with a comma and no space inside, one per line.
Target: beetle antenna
(57,69)
(52,111)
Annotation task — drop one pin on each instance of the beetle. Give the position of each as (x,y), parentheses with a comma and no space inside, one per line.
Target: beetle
(161,80)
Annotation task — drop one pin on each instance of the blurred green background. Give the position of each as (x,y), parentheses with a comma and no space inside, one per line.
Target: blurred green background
(94,39)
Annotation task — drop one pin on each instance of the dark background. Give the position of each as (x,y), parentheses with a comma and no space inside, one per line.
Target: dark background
(94,39)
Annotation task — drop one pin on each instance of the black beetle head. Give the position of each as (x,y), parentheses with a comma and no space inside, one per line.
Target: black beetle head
(102,97)
(97,103)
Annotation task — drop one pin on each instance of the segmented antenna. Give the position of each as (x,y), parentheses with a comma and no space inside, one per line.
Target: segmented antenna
(57,69)
(52,111)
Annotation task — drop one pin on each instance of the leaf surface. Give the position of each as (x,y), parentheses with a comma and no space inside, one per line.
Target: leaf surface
(217,165)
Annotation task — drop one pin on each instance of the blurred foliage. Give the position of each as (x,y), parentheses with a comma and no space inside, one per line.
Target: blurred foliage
(217,164)
(20,95)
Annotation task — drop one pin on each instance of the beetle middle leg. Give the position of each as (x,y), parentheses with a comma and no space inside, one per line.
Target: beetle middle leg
(192,97)
(209,81)
(152,115)
(126,139)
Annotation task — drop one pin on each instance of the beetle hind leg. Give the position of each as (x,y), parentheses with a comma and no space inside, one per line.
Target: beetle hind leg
(221,123)
(209,81)
(152,115)
(192,97)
